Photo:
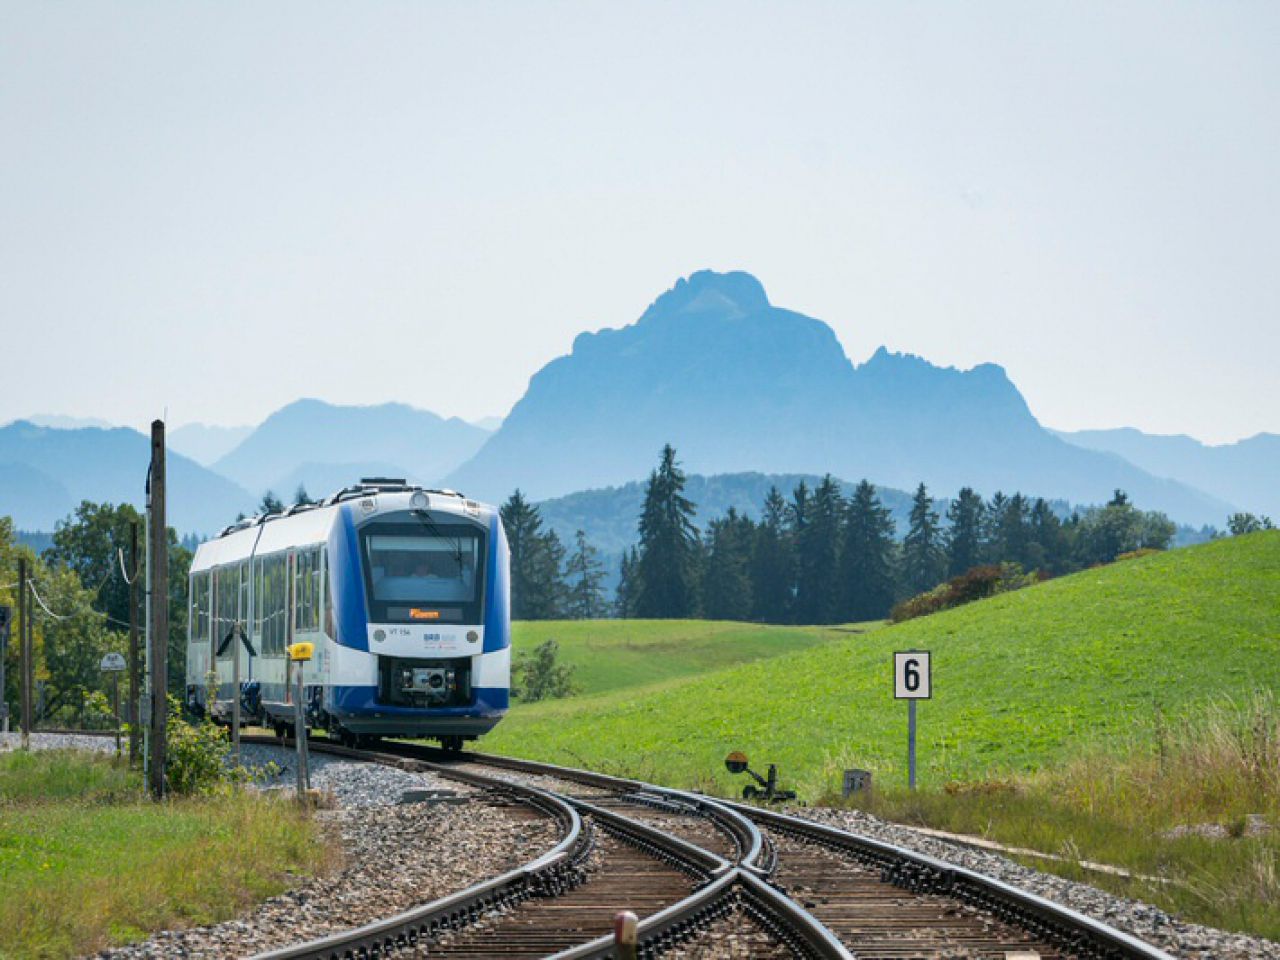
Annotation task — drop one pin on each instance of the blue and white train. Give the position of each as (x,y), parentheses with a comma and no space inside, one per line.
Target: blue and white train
(404,592)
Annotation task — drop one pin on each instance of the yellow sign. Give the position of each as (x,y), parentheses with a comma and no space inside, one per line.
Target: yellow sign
(301,651)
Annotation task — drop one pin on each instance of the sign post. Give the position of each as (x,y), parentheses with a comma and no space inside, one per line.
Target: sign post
(6,616)
(912,681)
(300,653)
(114,664)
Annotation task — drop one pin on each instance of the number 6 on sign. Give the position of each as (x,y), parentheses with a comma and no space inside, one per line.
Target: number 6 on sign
(912,675)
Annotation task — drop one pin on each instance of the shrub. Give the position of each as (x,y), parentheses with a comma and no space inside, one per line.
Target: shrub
(977,583)
(540,675)
(196,759)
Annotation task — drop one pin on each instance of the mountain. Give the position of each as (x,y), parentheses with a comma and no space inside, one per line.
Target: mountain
(364,441)
(60,422)
(206,443)
(738,384)
(1242,473)
(45,473)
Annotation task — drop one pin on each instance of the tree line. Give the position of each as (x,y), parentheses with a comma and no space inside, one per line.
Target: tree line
(818,555)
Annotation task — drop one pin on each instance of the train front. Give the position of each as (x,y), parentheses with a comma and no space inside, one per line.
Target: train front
(422,603)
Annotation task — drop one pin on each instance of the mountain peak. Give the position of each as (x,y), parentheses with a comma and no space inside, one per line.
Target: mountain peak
(732,294)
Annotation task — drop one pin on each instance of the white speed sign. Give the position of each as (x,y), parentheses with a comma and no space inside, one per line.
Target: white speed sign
(912,675)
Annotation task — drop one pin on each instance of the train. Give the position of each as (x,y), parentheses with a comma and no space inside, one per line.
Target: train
(403,592)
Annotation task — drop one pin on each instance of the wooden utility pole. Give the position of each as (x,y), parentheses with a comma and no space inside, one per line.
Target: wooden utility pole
(158,554)
(135,720)
(24,651)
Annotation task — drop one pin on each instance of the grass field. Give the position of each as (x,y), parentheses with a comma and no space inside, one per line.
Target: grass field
(1084,717)
(86,861)
(1021,681)
(610,655)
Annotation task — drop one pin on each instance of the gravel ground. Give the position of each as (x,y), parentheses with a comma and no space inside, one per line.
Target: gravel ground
(394,855)
(63,741)
(735,937)
(1140,919)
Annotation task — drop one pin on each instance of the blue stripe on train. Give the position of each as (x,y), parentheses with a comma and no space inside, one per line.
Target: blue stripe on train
(348,586)
(359,701)
(497,622)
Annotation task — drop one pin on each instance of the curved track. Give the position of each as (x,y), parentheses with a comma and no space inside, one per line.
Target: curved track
(680,862)
(880,900)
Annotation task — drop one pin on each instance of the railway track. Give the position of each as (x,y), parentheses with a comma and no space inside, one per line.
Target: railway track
(680,862)
(880,901)
(689,865)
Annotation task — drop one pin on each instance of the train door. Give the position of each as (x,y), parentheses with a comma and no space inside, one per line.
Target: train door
(291,562)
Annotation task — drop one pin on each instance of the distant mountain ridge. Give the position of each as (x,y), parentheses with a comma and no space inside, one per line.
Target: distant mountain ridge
(206,443)
(314,443)
(737,384)
(1243,473)
(46,472)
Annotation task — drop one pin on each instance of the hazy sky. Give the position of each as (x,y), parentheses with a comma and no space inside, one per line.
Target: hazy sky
(218,208)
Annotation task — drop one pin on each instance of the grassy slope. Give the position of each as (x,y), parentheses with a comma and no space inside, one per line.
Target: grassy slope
(612,654)
(1020,681)
(86,860)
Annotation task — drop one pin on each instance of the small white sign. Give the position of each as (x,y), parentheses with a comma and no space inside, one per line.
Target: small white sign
(912,675)
(113,662)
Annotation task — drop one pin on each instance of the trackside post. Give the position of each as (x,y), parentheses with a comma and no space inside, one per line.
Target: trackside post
(912,681)
(625,935)
(300,653)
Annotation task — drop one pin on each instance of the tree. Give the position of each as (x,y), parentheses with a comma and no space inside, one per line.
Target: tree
(624,603)
(1011,531)
(1242,523)
(537,590)
(924,561)
(1050,541)
(300,496)
(541,676)
(867,560)
(818,554)
(964,532)
(772,563)
(585,576)
(726,587)
(1106,532)
(669,548)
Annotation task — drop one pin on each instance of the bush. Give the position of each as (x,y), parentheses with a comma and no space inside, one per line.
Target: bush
(196,759)
(540,675)
(977,583)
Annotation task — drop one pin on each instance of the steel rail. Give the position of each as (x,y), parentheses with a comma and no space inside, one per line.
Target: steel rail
(722,885)
(905,868)
(553,872)
(921,873)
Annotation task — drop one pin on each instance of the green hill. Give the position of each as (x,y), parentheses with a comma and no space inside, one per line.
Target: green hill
(611,655)
(1020,681)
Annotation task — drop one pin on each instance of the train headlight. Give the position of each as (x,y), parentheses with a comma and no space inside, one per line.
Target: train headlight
(419,501)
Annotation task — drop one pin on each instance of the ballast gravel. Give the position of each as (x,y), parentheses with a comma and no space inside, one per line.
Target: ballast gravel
(395,856)
(1142,920)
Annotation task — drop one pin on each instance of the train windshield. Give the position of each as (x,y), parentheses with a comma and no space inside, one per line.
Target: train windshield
(417,572)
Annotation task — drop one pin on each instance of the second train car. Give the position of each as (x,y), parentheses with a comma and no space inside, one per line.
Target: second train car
(404,593)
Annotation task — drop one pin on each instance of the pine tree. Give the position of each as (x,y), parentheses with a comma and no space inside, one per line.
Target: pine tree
(624,603)
(270,504)
(964,533)
(1050,545)
(923,559)
(867,560)
(301,496)
(818,556)
(1012,531)
(669,548)
(585,576)
(726,587)
(537,589)
(772,563)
